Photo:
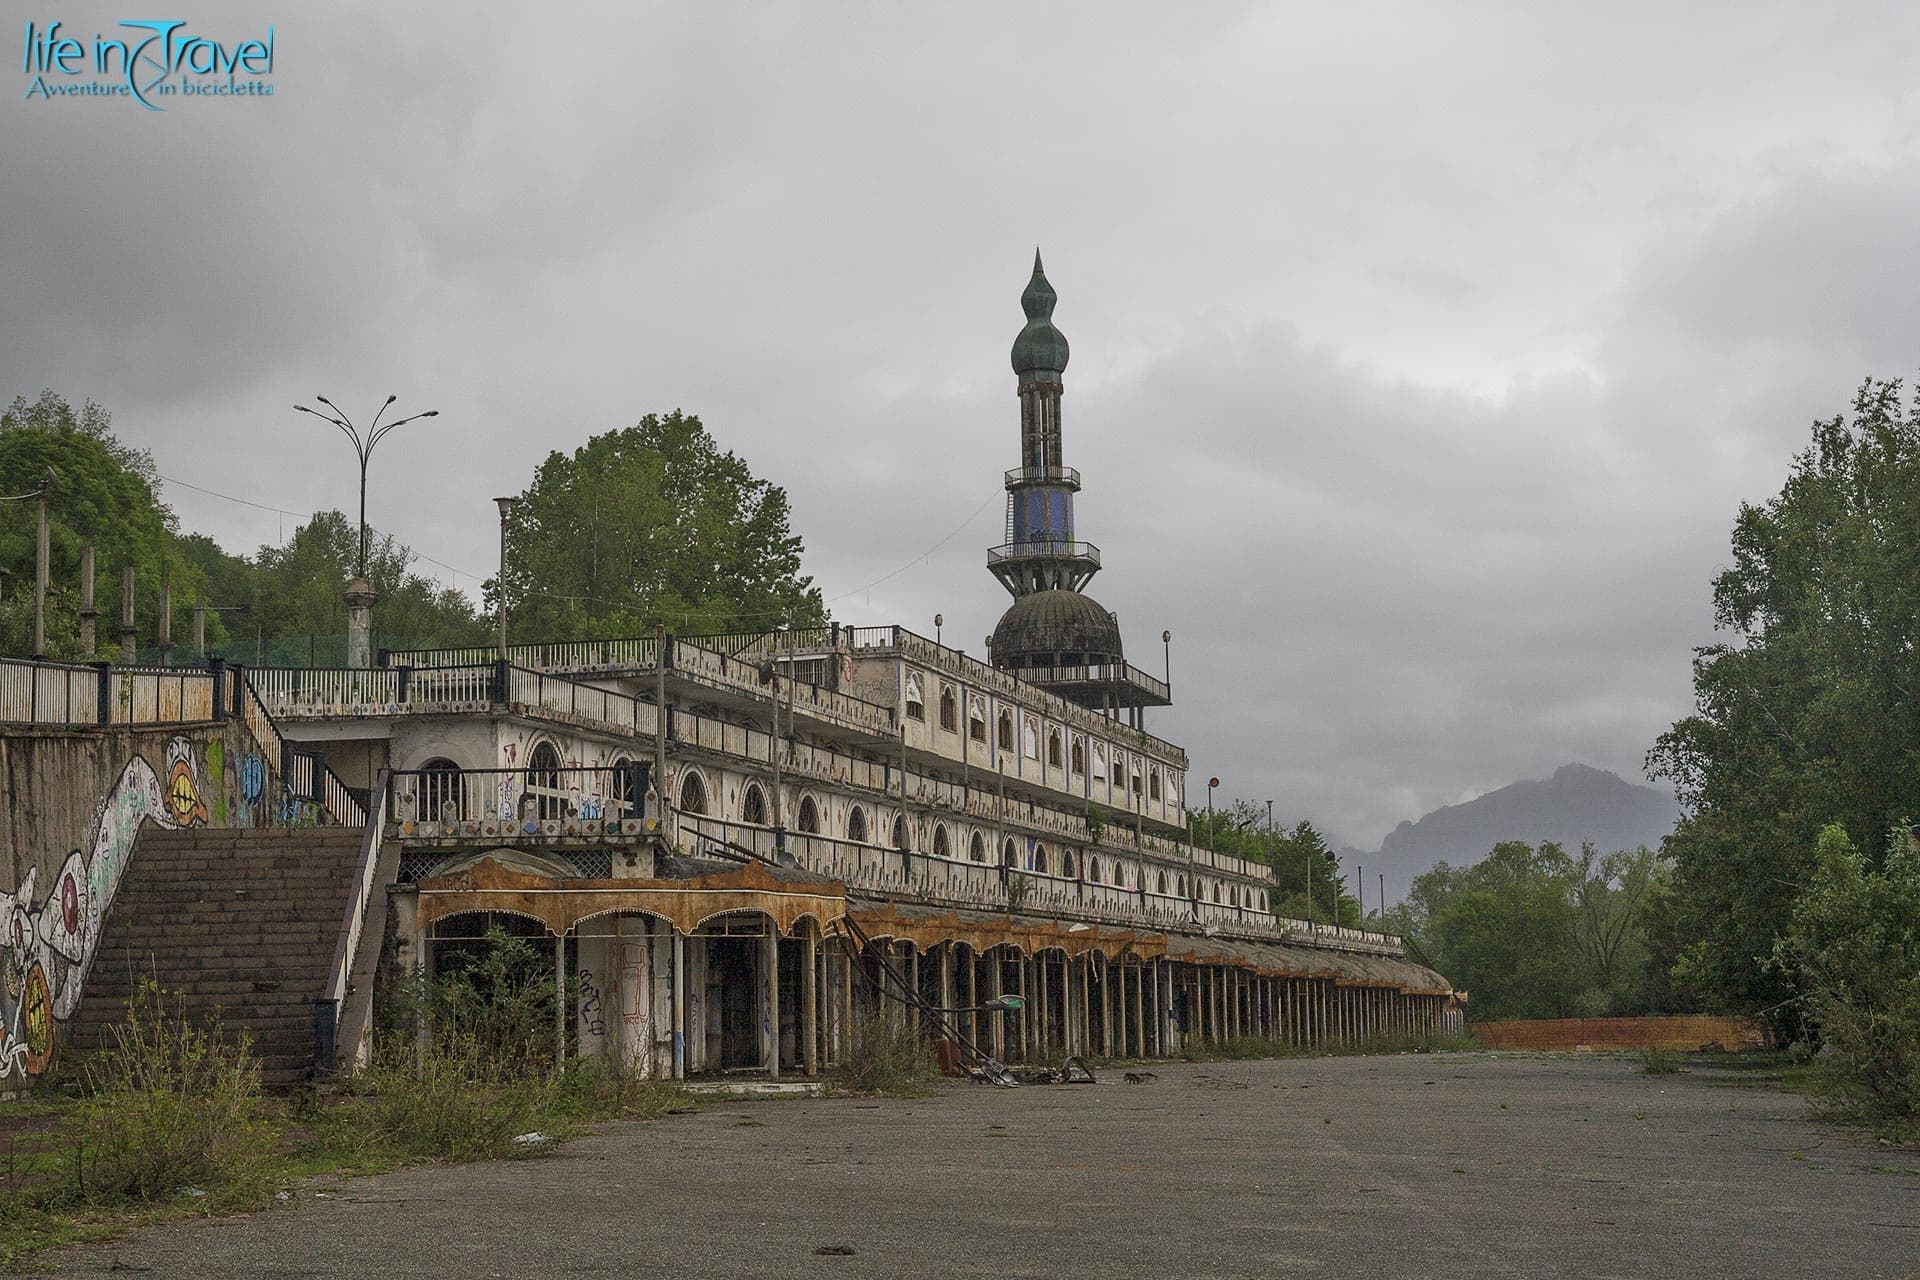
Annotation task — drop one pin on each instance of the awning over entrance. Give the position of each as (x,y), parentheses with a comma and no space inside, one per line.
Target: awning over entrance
(560,904)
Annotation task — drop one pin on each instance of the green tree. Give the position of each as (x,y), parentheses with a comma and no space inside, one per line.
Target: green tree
(1506,931)
(297,590)
(1298,856)
(653,523)
(1852,947)
(1811,715)
(103,493)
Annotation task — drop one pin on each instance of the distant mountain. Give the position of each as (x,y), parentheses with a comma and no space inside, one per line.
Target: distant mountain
(1576,804)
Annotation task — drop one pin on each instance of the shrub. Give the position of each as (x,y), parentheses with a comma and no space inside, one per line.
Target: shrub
(171,1105)
(886,1058)
(1854,946)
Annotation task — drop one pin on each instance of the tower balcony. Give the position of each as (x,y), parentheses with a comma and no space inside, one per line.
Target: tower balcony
(1063,549)
(1061,477)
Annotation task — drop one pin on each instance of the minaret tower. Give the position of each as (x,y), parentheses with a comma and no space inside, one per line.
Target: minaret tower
(1054,635)
(1040,552)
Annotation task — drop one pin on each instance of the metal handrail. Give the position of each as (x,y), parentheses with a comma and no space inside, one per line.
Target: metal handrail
(333,996)
(1062,549)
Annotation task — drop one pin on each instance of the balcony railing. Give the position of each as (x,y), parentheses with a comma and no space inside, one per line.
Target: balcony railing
(491,803)
(1061,550)
(1066,477)
(1096,673)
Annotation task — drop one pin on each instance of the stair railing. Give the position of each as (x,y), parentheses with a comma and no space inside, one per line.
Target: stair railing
(327,1006)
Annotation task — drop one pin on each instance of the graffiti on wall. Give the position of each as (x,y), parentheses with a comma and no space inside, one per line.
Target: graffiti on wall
(47,942)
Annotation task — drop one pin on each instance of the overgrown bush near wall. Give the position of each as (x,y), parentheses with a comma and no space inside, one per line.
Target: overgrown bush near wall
(887,1057)
(1853,951)
(171,1105)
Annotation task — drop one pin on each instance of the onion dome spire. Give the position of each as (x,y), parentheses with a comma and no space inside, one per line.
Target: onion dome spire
(1040,352)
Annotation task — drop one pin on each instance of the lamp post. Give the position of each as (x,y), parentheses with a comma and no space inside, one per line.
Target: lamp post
(937,621)
(360,596)
(1166,646)
(1211,784)
(500,584)
(363,450)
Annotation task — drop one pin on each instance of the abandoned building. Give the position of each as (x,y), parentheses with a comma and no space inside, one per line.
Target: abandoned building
(719,842)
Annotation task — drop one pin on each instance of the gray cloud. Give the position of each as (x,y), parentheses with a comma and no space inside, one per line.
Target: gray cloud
(1422,355)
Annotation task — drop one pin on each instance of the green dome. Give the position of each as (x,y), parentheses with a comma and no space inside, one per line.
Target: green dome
(1040,348)
(1051,628)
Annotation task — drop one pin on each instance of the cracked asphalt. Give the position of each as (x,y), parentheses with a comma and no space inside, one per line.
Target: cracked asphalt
(1445,1165)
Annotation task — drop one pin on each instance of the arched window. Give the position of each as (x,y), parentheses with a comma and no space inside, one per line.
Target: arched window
(1093,870)
(916,702)
(1099,762)
(1180,886)
(626,799)
(1067,867)
(1163,884)
(1005,734)
(1040,859)
(1031,740)
(753,806)
(977,849)
(942,847)
(1078,755)
(693,792)
(857,825)
(1263,901)
(1153,783)
(1139,783)
(949,709)
(443,792)
(1053,748)
(901,838)
(976,719)
(543,781)
(1009,856)
(809,816)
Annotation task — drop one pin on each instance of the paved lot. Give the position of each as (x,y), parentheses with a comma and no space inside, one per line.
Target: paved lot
(1464,1165)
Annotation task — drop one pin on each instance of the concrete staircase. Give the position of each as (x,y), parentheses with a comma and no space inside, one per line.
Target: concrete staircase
(239,923)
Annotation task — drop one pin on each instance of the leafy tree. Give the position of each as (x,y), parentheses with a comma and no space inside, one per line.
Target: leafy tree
(1506,931)
(653,523)
(1298,856)
(1852,947)
(104,494)
(1812,715)
(297,590)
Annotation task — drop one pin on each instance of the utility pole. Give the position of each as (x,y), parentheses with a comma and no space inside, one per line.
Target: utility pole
(89,615)
(500,596)
(40,575)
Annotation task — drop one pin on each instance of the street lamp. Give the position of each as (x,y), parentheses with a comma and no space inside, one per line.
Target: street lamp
(500,595)
(362,449)
(1166,644)
(937,621)
(1211,784)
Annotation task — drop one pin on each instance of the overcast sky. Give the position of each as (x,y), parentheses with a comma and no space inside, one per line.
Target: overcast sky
(1422,354)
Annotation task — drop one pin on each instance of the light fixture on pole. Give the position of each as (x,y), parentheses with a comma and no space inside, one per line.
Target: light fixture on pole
(1166,644)
(937,621)
(363,450)
(1211,784)
(500,583)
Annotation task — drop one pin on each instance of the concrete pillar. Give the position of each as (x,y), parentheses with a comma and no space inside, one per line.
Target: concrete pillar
(1139,1019)
(560,999)
(996,986)
(129,638)
(360,600)
(770,1002)
(679,1005)
(810,1001)
(89,616)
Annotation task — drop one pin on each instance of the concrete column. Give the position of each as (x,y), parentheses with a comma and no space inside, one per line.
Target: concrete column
(996,986)
(129,637)
(1139,1011)
(360,600)
(679,1005)
(89,616)
(1024,976)
(770,1002)
(560,999)
(946,978)
(810,1002)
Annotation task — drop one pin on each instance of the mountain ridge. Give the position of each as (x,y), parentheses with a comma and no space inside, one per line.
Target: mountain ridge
(1577,803)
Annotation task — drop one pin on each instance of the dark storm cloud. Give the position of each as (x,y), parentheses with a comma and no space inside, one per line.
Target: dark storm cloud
(1421,356)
